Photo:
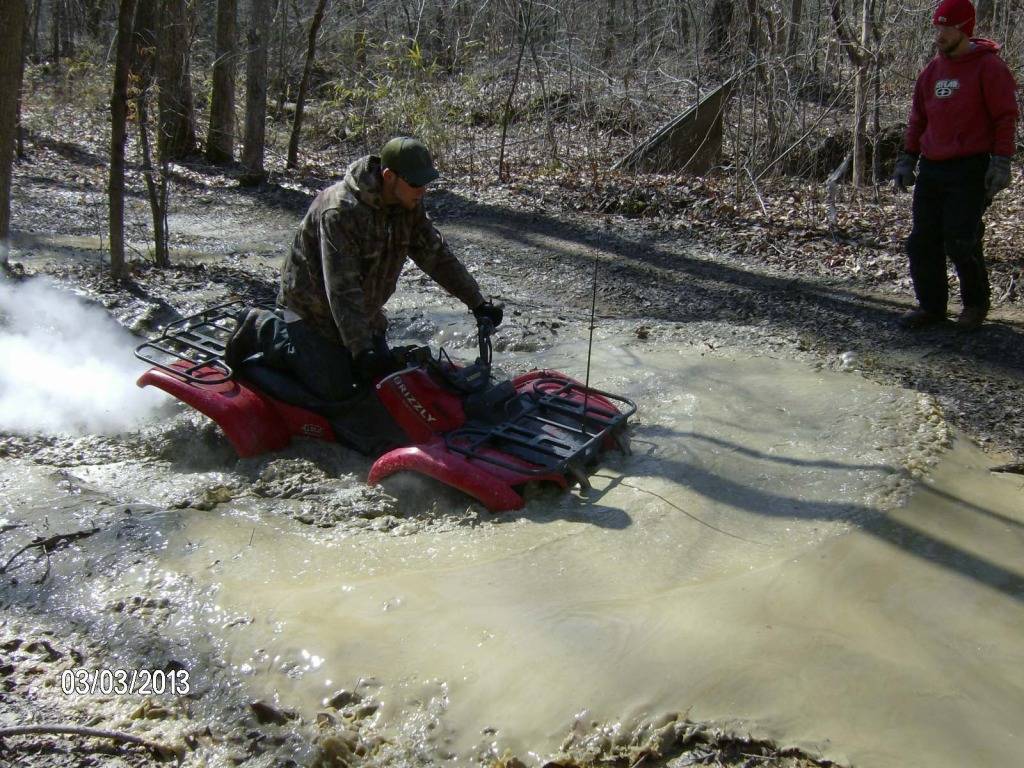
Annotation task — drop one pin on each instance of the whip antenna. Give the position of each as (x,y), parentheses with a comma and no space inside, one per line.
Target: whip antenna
(590,346)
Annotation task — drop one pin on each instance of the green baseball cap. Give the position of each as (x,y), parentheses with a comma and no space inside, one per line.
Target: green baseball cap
(410,159)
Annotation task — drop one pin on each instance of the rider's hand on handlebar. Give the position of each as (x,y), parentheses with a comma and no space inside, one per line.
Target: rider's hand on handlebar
(489,311)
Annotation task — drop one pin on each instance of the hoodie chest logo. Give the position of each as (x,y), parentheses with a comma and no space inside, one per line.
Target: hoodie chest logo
(946,88)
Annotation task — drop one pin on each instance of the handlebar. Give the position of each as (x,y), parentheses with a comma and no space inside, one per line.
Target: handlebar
(484,329)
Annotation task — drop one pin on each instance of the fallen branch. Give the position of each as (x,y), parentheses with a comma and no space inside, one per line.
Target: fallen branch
(1014,469)
(80,730)
(757,192)
(51,544)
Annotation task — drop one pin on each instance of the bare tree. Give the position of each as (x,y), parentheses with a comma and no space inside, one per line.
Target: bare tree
(118,132)
(56,16)
(523,11)
(861,58)
(177,135)
(721,28)
(282,68)
(12,20)
(19,126)
(796,9)
(94,17)
(220,141)
(984,8)
(154,172)
(253,146)
(307,70)
(610,25)
(33,23)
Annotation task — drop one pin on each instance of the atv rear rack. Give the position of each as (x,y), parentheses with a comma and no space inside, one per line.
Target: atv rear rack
(193,348)
(559,430)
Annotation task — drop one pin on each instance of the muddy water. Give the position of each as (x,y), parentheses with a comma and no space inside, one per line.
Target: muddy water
(790,551)
(740,567)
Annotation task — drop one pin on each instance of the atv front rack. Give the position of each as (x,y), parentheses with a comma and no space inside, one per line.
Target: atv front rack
(193,348)
(561,426)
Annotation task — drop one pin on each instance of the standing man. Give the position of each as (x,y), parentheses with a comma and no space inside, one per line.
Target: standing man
(962,128)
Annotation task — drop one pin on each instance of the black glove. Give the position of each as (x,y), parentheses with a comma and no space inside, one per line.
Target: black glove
(997,177)
(903,175)
(375,363)
(488,311)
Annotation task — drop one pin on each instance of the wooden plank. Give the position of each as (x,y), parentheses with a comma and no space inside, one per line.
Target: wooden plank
(690,142)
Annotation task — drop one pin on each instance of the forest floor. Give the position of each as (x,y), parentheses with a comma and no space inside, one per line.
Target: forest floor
(729,271)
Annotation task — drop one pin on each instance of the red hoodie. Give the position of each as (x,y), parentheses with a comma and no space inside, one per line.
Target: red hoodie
(964,106)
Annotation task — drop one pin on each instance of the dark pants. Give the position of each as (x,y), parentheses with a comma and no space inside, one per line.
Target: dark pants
(293,363)
(949,200)
(265,337)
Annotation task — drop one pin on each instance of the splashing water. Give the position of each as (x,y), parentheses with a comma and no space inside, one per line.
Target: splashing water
(68,367)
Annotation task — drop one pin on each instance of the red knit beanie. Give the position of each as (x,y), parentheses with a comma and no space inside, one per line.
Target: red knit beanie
(955,13)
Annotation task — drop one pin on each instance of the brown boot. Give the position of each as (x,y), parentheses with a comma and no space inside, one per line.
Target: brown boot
(971,318)
(919,318)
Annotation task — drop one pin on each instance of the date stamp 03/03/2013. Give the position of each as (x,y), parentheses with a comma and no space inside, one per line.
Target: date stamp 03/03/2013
(79,681)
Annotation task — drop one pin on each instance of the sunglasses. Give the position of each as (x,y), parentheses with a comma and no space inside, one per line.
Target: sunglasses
(410,184)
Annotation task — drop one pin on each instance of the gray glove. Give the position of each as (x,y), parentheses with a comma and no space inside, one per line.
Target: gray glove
(997,177)
(903,175)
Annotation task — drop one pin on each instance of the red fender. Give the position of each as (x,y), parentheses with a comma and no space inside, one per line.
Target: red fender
(436,461)
(249,419)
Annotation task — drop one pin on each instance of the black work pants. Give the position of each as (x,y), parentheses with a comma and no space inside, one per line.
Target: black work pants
(267,342)
(949,200)
(291,346)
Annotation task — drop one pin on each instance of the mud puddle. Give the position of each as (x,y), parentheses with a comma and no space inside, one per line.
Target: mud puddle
(752,564)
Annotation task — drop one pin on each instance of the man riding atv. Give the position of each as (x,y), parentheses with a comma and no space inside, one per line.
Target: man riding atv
(318,365)
(344,263)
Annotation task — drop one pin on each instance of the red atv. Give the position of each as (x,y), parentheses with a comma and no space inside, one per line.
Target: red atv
(488,439)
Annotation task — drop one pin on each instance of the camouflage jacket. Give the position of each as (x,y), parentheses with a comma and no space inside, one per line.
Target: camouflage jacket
(349,251)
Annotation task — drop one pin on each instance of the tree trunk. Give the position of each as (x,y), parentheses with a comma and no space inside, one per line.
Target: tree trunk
(12,20)
(282,69)
(156,182)
(156,186)
(19,127)
(858,53)
(721,26)
(984,12)
(67,26)
(307,71)
(220,141)
(94,17)
(37,7)
(634,42)
(523,16)
(682,27)
(753,27)
(256,93)
(55,16)
(609,33)
(118,133)
(796,10)
(176,136)
(440,49)
(860,99)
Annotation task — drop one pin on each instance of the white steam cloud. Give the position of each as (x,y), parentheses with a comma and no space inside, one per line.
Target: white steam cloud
(65,366)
